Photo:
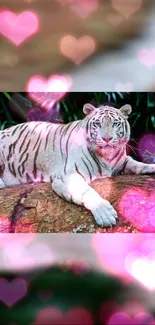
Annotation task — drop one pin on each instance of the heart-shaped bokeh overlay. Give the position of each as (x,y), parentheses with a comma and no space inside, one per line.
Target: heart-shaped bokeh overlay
(17,28)
(50,90)
(77,49)
(12,291)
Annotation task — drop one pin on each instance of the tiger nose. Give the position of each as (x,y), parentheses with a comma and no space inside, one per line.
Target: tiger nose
(107,139)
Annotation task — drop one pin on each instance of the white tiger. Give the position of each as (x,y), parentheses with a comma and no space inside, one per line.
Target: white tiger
(71,156)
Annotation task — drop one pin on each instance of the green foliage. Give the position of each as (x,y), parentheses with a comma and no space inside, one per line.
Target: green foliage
(142,117)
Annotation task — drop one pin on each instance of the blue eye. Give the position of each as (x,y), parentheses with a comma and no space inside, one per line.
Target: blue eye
(97,124)
(115,123)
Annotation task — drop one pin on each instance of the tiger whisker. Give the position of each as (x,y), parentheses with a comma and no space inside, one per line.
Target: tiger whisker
(131,148)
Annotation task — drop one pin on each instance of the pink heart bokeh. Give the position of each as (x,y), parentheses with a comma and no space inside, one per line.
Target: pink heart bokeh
(137,261)
(127,7)
(122,318)
(11,292)
(77,49)
(17,28)
(54,88)
(147,57)
(129,248)
(84,7)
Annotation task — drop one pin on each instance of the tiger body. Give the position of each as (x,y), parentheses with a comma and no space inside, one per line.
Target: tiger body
(30,157)
(71,156)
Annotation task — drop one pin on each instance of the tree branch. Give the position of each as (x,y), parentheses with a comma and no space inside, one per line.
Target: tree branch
(36,208)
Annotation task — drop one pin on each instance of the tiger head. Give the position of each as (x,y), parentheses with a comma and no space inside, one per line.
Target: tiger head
(107,127)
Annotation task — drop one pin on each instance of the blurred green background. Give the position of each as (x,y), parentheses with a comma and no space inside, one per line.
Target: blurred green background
(62,296)
(142,117)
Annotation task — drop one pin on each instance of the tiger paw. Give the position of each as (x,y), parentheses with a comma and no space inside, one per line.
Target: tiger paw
(104,214)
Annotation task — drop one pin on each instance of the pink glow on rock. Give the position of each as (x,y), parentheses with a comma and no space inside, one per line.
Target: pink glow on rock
(51,90)
(146,146)
(11,292)
(4,223)
(75,316)
(138,207)
(17,28)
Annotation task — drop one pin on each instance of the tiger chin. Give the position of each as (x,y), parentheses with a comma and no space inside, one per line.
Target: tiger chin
(71,156)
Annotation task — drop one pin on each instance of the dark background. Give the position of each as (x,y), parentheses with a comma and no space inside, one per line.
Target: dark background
(18,108)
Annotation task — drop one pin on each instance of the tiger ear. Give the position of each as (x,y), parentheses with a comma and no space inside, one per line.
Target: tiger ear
(126,109)
(88,108)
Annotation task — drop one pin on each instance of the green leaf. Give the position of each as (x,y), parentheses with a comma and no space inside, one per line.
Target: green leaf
(136,119)
(150,100)
(64,106)
(147,122)
(114,97)
(120,95)
(6,112)
(138,99)
(2,126)
(7,95)
(153,120)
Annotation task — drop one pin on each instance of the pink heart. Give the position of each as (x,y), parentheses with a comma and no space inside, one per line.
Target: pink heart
(147,57)
(75,316)
(18,27)
(51,90)
(127,7)
(136,262)
(77,50)
(122,318)
(11,292)
(84,7)
(138,207)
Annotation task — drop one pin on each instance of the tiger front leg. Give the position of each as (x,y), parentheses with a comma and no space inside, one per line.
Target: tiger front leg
(135,167)
(2,185)
(73,188)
